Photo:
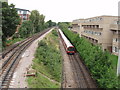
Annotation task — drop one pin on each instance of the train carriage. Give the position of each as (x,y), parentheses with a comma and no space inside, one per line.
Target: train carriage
(68,46)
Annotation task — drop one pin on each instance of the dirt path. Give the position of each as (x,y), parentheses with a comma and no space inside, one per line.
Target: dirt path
(19,79)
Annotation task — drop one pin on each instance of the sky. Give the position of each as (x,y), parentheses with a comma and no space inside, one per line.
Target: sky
(69,10)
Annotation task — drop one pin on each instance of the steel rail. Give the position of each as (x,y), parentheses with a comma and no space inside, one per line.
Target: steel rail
(11,66)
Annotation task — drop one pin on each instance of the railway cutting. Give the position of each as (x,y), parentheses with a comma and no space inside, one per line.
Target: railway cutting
(75,74)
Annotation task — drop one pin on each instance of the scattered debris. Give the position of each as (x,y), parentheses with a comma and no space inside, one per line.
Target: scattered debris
(30,72)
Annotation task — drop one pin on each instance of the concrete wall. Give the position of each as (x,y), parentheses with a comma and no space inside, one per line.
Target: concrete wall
(97,29)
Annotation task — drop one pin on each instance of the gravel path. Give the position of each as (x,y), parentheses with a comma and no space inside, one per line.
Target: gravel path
(19,79)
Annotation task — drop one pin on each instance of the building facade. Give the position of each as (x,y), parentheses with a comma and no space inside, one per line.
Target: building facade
(115,37)
(24,16)
(23,13)
(98,30)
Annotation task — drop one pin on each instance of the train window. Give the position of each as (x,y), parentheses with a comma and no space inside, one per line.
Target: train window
(71,49)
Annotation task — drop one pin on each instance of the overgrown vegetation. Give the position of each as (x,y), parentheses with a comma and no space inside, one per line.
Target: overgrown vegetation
(102,65)
(10,42)
(41,82)
(48,62)
(34,25)
(10,20)
(26,29)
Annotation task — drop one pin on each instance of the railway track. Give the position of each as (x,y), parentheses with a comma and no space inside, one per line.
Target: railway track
(74,72)
(11,63)
(11,48)
(82,76)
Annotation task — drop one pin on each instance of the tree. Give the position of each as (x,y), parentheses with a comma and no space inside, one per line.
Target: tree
(26,29)
(37,20)
(41,25)
(34,17)
(10,20)
(50,23)
(63,25)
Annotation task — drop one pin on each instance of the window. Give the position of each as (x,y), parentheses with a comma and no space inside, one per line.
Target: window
(116,22)
(71,49)
(19,12)
(115,49)
(24,12)
(114,39)
(24,17)
(93,32)
(118,39)
(99,33)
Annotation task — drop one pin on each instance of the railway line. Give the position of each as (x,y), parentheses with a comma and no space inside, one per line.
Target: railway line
(82,76)
(10,64)
(75,74)
(11,48)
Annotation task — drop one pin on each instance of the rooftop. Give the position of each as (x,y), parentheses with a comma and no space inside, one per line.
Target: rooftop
(22,9)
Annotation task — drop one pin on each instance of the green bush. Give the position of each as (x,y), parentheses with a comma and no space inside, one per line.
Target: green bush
(50,58)
(26,29)
(54,33)
(41,43)
(47,60)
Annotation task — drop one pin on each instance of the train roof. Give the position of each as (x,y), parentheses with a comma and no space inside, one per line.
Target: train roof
(65,39)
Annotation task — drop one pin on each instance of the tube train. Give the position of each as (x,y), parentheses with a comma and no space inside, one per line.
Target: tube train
(67,45)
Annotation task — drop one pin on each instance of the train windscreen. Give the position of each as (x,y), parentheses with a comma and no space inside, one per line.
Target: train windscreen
(71,49)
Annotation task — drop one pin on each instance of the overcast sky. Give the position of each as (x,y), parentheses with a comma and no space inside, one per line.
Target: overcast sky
(68,10)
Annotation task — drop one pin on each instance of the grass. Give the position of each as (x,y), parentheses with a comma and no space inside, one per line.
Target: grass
(42,69)
(17,40)
(10,42)
(47,62)
(41,82)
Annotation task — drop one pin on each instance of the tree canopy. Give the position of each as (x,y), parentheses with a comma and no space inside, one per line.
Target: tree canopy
(37,20)
(34,25)
(26,29)
(10,20)
(51,23)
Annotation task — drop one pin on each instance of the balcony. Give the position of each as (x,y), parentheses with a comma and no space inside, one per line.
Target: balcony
(115,27)
(116,33)
(93,27)
(91,40)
